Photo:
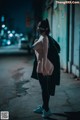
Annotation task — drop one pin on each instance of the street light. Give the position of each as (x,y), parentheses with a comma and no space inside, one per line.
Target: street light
(8,31)
(16,35)
(10,35)
(21,35)
(3,26)
(13,31)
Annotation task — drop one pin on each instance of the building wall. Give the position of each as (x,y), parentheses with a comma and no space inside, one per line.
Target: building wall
(76,36)
(75,44)
(50,18)
(70,62)
(60,32)
(65,29)
(55,24)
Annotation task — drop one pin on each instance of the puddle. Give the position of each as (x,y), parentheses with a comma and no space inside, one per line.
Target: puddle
(17,75)
(20,90)
(20,82)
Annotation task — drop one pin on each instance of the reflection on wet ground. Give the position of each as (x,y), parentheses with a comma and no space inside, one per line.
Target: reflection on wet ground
(18,76)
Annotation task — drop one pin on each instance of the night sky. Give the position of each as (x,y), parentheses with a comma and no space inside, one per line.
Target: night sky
(6,5)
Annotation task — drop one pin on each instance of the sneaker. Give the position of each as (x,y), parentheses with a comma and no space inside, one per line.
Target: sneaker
(38,110)
(46,114)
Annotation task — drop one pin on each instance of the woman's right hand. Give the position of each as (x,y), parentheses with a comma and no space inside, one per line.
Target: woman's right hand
(45,71)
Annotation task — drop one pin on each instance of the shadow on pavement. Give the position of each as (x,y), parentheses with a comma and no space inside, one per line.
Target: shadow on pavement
(48,118)
(57,116)
(70,115)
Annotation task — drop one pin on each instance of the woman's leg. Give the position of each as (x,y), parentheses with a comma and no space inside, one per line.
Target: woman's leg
(45,91)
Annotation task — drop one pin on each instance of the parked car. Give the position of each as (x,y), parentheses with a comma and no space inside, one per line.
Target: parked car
(25,44)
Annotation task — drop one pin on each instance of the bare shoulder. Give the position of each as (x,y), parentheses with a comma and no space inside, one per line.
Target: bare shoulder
(45,40)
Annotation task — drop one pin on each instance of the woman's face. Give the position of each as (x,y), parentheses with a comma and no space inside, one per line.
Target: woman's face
(39,30)
(38,26)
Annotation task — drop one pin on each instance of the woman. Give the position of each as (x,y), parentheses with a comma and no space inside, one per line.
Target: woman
(46,66)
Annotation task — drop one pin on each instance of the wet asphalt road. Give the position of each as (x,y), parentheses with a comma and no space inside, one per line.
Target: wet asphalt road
(19,94)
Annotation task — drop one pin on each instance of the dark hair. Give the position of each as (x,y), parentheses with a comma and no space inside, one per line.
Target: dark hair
(43,26)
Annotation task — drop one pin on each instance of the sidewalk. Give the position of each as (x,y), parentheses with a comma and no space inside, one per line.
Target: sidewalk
(21,95)
(12,50)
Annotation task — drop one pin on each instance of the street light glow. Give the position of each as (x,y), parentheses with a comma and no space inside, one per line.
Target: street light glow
(8,32)
(13,31)
(10,35)
(21,34)
(3,26)
(8,42)
(16,35)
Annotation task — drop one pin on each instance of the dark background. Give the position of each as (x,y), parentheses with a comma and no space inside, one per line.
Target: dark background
(16,13)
